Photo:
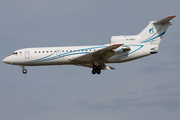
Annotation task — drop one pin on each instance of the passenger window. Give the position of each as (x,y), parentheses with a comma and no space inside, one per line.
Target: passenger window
(39,51)
(47,51)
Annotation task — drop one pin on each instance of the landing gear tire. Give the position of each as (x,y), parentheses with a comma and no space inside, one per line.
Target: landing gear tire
(96,69)
(24,71)
(93,71)
(99,67)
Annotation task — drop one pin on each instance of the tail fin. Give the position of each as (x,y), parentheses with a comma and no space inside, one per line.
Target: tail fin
(154,32)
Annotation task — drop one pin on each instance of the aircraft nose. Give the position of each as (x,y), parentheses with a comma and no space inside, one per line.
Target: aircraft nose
(5,60)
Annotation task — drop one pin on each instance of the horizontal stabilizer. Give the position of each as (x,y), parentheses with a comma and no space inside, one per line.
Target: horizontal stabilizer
(165,20)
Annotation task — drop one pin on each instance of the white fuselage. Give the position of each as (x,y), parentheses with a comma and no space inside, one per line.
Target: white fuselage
(64,55)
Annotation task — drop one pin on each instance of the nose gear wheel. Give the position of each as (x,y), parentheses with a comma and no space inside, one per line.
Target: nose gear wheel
(24,71)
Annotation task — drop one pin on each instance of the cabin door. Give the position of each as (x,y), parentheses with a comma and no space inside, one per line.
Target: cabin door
(26,54)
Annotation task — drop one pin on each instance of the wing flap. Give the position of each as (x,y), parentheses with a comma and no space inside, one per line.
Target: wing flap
(104,67)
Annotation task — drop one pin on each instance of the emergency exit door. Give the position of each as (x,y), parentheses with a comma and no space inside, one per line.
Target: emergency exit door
(58,52)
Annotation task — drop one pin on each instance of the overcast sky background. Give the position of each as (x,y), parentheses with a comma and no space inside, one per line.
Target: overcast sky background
(143,89)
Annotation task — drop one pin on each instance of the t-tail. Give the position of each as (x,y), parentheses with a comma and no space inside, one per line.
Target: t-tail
(152,35)
(154,32)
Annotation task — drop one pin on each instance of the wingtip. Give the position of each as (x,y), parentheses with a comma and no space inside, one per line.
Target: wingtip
(117,44)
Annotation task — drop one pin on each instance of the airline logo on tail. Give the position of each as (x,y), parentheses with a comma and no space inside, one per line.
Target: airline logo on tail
(151,31)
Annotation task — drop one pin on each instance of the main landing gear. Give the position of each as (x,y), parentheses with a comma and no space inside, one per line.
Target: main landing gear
(96,69)
(24,70)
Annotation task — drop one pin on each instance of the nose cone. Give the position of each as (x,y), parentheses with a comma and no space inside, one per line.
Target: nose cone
(6,60)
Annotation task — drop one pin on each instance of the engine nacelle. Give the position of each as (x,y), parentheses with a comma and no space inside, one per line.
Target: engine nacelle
(154,50)
(122,39)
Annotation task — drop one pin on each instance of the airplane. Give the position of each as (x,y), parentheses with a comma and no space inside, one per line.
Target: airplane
(120,49)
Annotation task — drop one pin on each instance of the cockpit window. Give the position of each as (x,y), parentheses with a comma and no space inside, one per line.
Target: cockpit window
(14,53)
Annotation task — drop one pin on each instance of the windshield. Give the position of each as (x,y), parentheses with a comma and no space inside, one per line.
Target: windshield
(14,53)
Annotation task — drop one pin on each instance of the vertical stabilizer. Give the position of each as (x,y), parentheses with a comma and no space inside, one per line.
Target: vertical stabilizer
(154,32)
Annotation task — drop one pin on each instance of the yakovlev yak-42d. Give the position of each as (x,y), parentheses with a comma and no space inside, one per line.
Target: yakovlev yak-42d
(120,49)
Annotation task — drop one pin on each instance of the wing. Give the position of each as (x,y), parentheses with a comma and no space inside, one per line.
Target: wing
(104,67)
(100,55)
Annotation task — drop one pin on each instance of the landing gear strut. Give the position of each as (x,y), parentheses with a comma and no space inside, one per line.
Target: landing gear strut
(24,70)
(96,69)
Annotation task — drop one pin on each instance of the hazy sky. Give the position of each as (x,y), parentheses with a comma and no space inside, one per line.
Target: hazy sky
(144,89)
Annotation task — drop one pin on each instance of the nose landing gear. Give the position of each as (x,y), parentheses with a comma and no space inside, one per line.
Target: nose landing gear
(24,70)
(96,69)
